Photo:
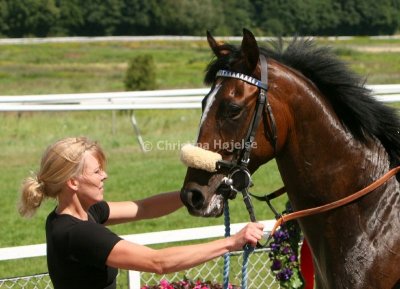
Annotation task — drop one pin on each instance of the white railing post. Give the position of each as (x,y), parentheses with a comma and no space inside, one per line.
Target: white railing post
(133,279)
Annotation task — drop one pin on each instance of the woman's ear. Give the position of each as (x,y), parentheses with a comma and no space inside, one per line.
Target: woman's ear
(73,184)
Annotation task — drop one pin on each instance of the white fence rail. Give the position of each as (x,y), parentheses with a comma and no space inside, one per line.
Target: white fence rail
(130,100)
(136,100)
(134,278)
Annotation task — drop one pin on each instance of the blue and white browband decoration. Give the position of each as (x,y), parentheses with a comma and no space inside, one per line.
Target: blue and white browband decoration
(246,78)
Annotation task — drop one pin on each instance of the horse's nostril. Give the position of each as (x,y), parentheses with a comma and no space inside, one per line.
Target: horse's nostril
(195,199)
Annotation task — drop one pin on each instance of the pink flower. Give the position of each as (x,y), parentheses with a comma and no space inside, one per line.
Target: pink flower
(165,285)
(164,282)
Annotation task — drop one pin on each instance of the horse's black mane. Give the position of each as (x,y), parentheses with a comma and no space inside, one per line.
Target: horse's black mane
(361,113)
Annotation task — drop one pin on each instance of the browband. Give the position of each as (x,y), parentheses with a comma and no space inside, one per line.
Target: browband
(246,78)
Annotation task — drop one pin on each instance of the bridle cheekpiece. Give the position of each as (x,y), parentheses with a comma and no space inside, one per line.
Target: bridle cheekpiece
(239,177)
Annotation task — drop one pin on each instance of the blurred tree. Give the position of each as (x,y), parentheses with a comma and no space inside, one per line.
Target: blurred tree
(328,18)
(378,17)
(349,16)
(312,17)
(101,17)
(3,17)
(274,17)
(296,17)
(71,20)
(234,16)
(369,17)
(184,17)
(20,18)
(30,17)
(135,18)
(141,73)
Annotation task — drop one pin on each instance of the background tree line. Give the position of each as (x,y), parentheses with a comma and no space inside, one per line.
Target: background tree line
(41,18)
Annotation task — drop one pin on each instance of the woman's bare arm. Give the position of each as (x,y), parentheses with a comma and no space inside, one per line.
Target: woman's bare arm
(130,256)
(148,208)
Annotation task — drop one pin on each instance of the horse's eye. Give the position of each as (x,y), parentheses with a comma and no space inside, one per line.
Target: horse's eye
(232,111)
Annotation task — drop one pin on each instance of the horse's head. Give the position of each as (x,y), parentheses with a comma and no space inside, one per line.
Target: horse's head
(237,130)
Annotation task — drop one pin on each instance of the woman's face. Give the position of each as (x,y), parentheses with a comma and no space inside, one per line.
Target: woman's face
(91,182)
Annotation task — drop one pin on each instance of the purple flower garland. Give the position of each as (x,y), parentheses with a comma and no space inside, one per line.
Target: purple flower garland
(284,248)
(188,284)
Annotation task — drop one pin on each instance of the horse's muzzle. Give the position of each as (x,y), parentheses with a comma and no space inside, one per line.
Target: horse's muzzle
(197,205)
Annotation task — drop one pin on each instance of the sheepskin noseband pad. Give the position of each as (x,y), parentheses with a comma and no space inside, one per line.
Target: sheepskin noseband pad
(199,158)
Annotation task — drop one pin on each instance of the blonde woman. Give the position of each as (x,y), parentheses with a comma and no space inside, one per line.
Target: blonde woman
(81,251)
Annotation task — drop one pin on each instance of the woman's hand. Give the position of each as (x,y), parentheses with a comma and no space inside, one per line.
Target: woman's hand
(250,234)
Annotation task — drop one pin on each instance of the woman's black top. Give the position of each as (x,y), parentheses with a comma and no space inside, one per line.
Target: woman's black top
(77,250)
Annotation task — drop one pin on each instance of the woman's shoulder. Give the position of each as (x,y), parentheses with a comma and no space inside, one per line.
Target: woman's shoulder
(99,212)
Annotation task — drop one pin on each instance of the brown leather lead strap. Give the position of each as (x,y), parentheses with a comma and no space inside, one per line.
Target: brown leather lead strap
(336,204)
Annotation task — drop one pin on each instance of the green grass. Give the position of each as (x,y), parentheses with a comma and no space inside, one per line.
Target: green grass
(100,67)
(95,67)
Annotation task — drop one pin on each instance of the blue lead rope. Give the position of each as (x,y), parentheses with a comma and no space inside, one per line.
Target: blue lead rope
(227,256)
(246,253)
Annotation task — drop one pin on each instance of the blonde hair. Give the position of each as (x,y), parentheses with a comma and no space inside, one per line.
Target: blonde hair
(60,162)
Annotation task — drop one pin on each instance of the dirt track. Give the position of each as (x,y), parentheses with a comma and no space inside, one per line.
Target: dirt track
(377,49)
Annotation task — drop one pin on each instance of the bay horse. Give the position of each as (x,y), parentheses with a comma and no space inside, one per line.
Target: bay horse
(330,138)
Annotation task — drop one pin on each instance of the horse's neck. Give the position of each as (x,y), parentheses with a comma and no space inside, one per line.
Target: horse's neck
(323,171)
(321,160)
(321,164)
(364,230)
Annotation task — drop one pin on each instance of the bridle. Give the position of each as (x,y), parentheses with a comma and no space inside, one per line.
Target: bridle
(239,177)
(262,102)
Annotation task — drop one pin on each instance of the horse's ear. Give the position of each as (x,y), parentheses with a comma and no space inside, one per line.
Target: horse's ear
(249,49)
(218,48)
